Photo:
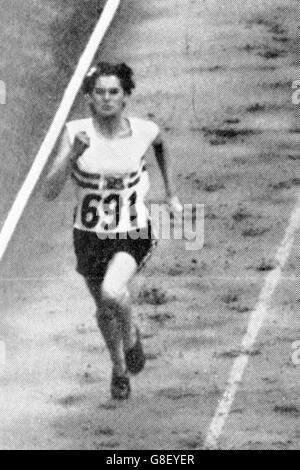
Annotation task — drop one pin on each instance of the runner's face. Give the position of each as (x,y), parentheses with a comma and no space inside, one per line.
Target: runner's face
(108,96)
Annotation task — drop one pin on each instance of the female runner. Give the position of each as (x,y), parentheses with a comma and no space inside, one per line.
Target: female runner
(104,155)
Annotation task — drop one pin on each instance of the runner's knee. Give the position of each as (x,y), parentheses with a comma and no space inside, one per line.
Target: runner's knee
(114,293)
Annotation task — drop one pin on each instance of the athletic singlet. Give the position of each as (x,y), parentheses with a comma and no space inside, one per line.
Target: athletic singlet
(111,179)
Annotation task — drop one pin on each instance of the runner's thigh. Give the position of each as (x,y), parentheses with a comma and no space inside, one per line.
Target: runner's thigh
(119,272)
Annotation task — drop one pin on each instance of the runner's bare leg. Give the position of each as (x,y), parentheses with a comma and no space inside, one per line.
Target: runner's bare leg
(109,327)
(114,312)
(121,270)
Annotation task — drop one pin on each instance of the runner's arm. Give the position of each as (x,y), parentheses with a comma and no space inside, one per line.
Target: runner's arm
(164,162)
(61,168)
(163,159)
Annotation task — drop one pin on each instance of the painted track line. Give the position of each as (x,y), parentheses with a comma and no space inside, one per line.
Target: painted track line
(56,127)
(257,318)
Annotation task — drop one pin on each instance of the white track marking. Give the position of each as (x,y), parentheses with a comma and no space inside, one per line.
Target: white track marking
(257,319)
(58,122)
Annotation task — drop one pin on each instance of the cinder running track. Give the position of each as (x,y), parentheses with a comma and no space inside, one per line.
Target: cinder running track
(216,76)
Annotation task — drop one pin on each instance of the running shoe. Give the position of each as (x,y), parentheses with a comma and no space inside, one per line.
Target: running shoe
(135,357)
(120,388)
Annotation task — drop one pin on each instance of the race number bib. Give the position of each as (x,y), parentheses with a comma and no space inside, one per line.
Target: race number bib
(110,213)
(113,204)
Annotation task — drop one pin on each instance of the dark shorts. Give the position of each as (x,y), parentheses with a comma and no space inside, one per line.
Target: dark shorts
(94,254)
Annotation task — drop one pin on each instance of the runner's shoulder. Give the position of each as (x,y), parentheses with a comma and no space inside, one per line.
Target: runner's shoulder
(146,128)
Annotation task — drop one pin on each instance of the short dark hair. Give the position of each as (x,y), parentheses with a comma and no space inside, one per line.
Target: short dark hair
(122,71)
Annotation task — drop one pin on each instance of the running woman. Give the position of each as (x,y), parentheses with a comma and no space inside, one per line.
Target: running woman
(104,155)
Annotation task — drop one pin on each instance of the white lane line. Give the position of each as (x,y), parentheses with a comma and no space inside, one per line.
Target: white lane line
(257,319)
(58,122)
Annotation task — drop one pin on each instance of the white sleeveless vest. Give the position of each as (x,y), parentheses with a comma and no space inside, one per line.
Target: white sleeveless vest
(111,180)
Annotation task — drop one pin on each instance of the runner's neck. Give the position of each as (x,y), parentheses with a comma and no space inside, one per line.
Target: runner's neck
(112,127)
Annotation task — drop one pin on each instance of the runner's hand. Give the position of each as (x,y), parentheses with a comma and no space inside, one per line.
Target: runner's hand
(81,144)
(175,205)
